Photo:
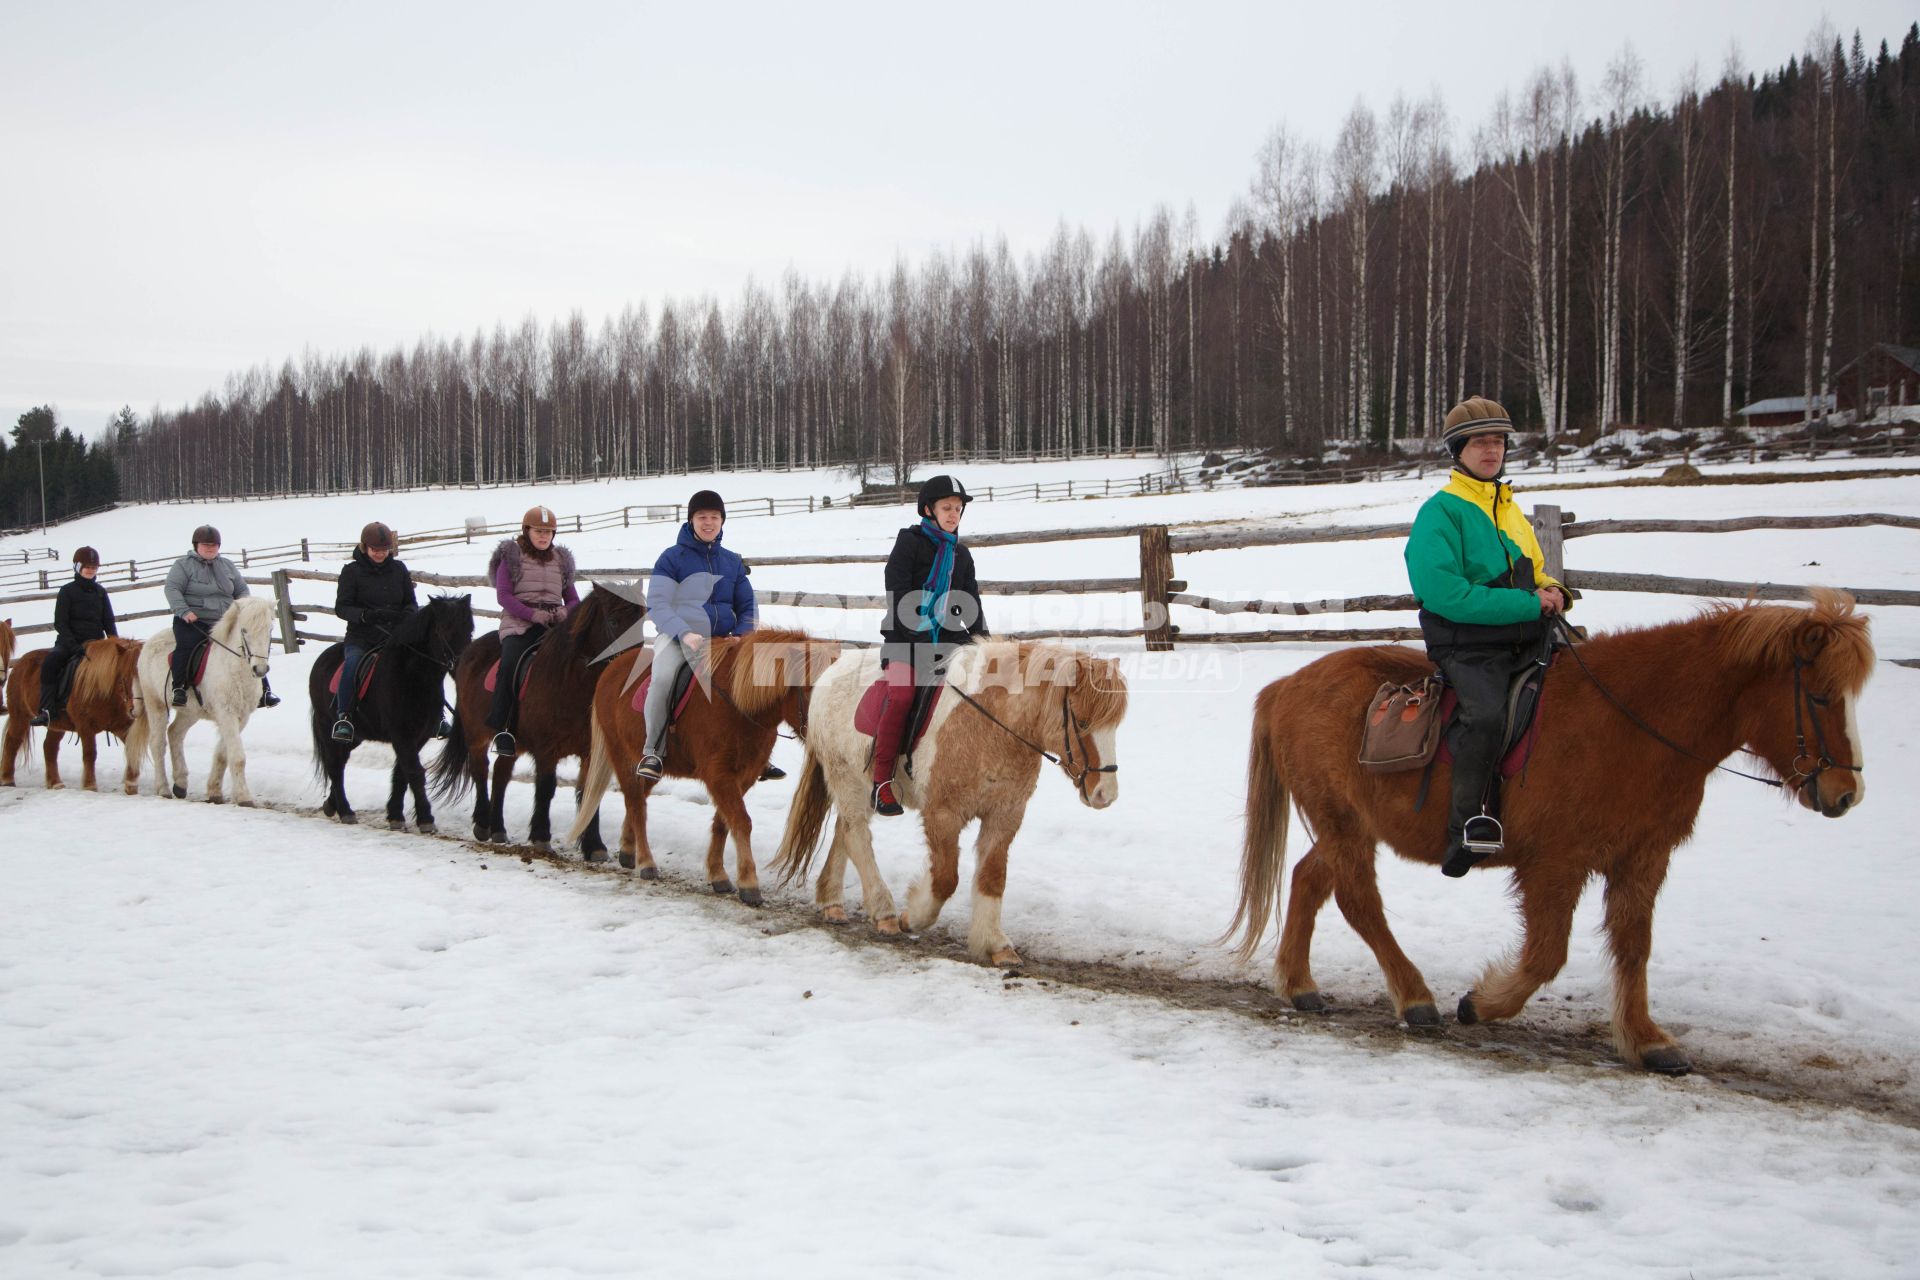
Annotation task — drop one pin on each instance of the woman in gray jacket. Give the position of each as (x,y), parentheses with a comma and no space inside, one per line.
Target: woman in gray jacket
(200,589)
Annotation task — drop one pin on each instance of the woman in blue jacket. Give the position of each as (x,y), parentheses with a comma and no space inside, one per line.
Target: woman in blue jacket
(698,593)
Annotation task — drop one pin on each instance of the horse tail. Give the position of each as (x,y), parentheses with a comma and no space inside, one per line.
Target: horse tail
(593,783)
(812,802)
(1264,855)
(450,779)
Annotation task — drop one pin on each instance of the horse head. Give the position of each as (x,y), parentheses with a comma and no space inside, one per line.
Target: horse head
(600,619)
(1800,717)
(247,631)
(441,629)
(1069,702)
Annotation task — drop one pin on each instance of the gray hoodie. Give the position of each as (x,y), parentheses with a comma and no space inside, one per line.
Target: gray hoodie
(206,588)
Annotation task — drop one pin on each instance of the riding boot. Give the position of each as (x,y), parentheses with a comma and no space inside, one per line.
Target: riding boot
(1479,676)
(884,802)
(887,736)
(268,698)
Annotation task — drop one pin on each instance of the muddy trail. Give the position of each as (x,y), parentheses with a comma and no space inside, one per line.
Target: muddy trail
(1552,1034)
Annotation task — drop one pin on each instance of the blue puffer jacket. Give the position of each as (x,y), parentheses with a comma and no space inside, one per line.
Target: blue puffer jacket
(700,587)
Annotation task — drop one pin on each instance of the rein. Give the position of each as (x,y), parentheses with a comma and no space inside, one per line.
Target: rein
(1066,760)
(1801,694)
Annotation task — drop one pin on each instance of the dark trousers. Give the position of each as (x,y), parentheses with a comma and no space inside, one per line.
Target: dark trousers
(53,667)
(351,656)
(1480,676)
(500,713)
(186,638)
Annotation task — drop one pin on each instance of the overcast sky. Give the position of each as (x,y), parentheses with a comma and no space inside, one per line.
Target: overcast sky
(194,188)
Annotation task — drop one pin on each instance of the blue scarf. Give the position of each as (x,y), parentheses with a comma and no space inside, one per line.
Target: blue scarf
(933,595)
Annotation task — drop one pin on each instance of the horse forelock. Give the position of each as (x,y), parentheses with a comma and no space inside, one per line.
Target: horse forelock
(1830,635)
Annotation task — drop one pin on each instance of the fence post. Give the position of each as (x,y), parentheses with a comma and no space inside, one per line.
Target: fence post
(243,559)
(283,598)
(133,571)
(1546,521)
(1156,571)
(626,517)
(43,579)
(304,556)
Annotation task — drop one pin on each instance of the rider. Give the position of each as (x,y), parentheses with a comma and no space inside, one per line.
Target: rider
(82,612)
(933,606)
(533,576)
(698,593)
(200,588)
(1485,598)
(375,592)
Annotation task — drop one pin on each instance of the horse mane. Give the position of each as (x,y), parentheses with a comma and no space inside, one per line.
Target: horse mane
(416,628)
(597,603)
(107,662)
(230,620)
(758,667)
(6,642)
(1830,635)
(1096,690)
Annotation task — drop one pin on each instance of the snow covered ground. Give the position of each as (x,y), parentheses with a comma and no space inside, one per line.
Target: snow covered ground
(259,1044)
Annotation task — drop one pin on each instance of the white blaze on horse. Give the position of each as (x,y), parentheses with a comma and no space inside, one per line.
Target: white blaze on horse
(1007,703)
(227,694)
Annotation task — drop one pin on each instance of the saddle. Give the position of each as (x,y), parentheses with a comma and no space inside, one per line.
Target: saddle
(866,716)
(1405,726)
(367,664)
(521,672)
(682,693)
(196,661)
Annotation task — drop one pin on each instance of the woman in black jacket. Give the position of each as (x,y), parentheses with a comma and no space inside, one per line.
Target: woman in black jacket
(82,613)
(933,607)
(375,591)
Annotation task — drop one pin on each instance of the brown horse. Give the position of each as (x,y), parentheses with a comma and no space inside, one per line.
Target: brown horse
(553,719)
(724,738)
(1601,795)
(1005,704)
(101,702)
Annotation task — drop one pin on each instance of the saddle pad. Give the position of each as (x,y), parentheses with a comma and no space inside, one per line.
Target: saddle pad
(197,664)
(866,716)
(1526,713)
(367,664)
(526,671)
(683,690)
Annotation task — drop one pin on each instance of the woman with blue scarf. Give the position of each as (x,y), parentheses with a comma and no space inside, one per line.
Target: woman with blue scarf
(933,606)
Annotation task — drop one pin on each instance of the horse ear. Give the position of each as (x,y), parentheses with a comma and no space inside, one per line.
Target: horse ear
(1813,637)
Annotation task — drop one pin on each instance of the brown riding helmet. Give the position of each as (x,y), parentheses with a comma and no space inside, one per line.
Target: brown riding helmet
(86,558)
(1473,416)
(539,518)
(377,537)
(206,533)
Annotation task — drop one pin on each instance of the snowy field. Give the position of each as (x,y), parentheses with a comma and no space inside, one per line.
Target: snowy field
(252,1043)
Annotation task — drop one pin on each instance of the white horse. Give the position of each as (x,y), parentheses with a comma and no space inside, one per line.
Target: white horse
(1006,704)
(227,695)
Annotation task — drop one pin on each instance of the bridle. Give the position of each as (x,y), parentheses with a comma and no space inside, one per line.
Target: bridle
(1072,730)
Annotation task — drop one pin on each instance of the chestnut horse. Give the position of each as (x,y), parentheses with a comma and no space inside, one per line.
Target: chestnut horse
(552,722)
(724,738)
(101,702)
(1602,795)
(1005,704)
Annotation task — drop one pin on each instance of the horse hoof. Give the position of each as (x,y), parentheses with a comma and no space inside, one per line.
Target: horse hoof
(721,886)
(326,808)
(1667,1061)
(482,834)
(396,824)
(348,818)
(1007,958)
(1422,1017)
(248,804)
(216,799)
(56,786)
(426,828)
(626,860)
(649,873)
(750,898)
(593,855)
(179,793)
(1467,1014)
(833,915)
(1310,1002)
(540,846)
(889,925)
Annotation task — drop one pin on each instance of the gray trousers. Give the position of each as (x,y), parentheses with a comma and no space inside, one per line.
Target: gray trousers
(669,658)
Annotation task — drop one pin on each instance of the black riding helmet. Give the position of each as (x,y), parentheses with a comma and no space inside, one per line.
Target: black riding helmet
(938,487)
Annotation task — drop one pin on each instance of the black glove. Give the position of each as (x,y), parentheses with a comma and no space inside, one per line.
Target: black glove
(380,617)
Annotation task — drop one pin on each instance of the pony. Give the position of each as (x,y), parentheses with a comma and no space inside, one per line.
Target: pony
(724,738)
(227,695)
(1007,706)
(1634,725)
(401,706)
(553,722)
(101,702)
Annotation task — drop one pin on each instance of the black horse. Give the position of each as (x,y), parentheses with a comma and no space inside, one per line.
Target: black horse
(554,719)
(401,706)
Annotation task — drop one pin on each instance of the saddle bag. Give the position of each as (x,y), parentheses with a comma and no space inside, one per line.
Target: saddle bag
(1402,727)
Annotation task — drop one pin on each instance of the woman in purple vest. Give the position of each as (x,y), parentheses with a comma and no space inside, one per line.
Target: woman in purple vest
(533,576)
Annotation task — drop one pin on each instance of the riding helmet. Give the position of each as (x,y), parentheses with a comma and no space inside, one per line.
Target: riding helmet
(938,487)
(706,500)
(206,533)
(1474,416)
(538,518)
(86,558)
(377,536)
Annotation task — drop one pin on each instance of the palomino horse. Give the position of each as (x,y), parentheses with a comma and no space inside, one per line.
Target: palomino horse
(401,706)
(1007,703)
(1601,795)
(553,721)
(101,702)
(724,738)
(227,695)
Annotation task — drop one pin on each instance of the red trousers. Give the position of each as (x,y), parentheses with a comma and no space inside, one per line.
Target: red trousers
(893,718)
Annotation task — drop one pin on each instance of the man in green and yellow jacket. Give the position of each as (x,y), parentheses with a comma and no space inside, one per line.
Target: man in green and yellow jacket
(1485,601)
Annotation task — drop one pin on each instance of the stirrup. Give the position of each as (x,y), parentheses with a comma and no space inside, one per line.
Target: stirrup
(41,720)
(504,745)
(650,767)
(444,731)
(179,698)
(883,801)
(343,730)
(1482,835)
